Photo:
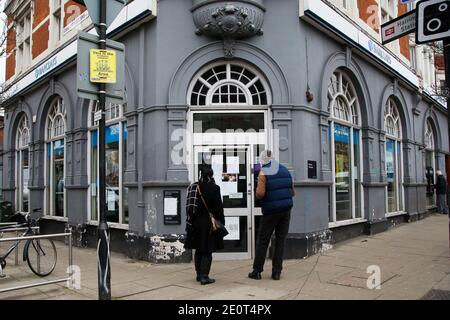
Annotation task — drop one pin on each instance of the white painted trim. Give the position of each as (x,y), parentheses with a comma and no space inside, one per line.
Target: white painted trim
(62,219)
(345,222)
(110,224)
(395,214)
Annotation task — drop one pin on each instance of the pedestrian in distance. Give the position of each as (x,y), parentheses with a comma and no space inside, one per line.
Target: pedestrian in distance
(203,199)
(275,189)
(441,192)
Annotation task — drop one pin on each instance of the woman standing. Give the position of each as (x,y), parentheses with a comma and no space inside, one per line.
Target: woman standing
(203,198)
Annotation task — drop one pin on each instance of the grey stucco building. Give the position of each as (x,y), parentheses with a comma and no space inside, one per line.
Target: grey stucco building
(342,112)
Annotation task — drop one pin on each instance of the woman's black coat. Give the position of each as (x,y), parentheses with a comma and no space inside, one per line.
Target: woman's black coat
(200,236)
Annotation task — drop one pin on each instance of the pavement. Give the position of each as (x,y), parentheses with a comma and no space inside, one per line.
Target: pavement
(413,259)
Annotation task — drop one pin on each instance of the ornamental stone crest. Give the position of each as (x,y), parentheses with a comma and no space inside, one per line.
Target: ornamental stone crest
(228,20)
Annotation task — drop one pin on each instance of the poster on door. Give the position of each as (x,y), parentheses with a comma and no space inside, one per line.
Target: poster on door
(232,225)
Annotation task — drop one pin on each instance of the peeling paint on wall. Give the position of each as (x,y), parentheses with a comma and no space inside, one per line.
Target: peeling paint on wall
(319,242)
(166,250)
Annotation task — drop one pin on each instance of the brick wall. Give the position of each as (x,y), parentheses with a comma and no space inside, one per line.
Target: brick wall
(10,40)
(71,11)
(439,61)
(368,12)
(404,41)
(10,65)
(40,39)
(41,11)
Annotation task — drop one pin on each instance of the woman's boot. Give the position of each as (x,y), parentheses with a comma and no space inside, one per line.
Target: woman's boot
(198,261)
(205,267)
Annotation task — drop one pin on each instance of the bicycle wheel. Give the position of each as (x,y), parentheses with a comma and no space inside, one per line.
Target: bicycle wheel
(41,256)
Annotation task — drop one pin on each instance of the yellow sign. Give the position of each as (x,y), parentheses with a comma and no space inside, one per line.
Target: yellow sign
(103,66)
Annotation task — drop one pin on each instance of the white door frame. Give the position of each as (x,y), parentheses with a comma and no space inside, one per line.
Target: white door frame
(195,143)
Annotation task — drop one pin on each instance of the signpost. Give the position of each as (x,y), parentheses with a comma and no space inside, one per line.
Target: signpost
(103,69)
(433,24)
(398,27)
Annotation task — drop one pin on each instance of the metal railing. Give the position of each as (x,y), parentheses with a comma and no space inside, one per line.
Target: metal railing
(46,236)
(16,230)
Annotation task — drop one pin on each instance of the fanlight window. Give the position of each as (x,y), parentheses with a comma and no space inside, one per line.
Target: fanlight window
(23,133)
(56,121)
(429,136)
(392,120)
(229,84)
(344,104)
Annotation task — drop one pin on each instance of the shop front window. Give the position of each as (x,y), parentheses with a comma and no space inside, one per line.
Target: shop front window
(394,163)
(22,165)
(115,157)
(346,149)
(55,159)
(430,163)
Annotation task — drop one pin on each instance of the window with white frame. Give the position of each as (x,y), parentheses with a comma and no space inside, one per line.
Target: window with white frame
(345,136)
(55,159)
(393,158)
(22,165)
(229,84)
(56,20)
(116,161)
(430,162)
(23,40)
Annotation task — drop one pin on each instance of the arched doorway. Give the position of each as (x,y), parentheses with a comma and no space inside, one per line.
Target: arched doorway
(229,127)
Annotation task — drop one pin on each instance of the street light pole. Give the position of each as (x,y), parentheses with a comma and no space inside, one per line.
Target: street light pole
(103,250)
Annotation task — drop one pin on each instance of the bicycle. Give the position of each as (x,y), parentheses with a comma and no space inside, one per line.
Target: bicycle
(40,254)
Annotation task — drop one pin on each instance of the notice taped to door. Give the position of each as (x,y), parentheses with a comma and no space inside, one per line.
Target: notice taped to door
(102,66)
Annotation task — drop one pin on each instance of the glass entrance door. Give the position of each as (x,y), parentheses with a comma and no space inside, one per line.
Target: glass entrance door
(233,175)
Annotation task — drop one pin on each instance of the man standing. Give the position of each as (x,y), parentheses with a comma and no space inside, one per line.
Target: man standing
(275,189)
(441,192)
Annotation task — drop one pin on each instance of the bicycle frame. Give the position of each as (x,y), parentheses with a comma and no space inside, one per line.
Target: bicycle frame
(29,231)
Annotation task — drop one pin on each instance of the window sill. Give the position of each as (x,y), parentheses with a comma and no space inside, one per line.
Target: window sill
(62,219)
(394,214)
(111,225)
(345,222)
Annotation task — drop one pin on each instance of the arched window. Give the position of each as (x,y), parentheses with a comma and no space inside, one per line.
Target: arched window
(429,136)
(229,84)
(430,162)
(343,100)
(346,148)
(55,169)
(394,159)
(115,154)
(22,164)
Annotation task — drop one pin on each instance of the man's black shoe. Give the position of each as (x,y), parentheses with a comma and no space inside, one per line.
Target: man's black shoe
(255,275)
(198,278)
(206,280)
(276,276)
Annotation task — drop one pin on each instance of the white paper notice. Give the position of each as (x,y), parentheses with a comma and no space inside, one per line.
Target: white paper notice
(232,164)
(228,188)
(111,200)
(217,167)
(170,206)
(232,225)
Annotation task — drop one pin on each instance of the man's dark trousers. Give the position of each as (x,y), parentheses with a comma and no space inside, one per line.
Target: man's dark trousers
(278,222)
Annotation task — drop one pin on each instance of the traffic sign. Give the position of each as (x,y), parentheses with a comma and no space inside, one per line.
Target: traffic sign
(86,89)
(398,27)
(433,20)
(112,10)
(102,66)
